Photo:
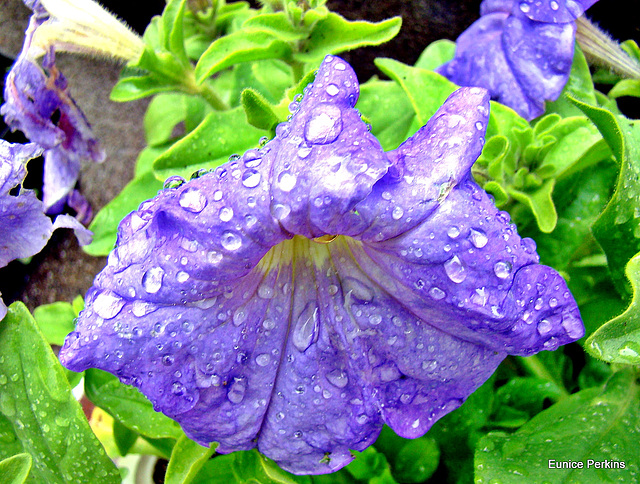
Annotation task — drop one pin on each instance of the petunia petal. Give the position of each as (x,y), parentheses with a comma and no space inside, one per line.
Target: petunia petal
(552,11)
(268,304)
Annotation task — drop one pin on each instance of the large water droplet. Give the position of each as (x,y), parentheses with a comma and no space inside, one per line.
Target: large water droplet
(237,390)
(453,232)
(251,178)
(239,317)
(193,200)
(332,90)
(252,158)
(152,280)
(544,327)
(397,213)
(226,214)
(107,304)
(480,296)
(437,293)
(478,238)
(502,269)
(231,241)
(280,211)
(263,359)
(306,329)
(286,181)
(324,124)
(266,292)
(358,290)
(338,378)
(455,270)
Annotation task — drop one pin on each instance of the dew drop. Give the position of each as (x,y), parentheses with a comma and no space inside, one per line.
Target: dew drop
(266,292)
(182,276)
(217,195)
(332,90)
(397,213)
(478,238)
(324,124)
(237,390)
(357,290)
(436,293)
(455,270)
(306,329)
(239,317)
(338,378)
(554,5)
(214,257)
(173,182)
(280,211)
(107,304)
(544,327)
(453,232)
(231,241)
(226,214)
(192,200)
(251,178)
(286,181)
(152,280)
(263,359)
(502,269)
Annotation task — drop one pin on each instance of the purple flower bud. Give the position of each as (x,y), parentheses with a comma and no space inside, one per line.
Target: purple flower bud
(520,50)
(301,296)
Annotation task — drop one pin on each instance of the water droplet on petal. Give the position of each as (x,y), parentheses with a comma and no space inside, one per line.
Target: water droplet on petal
(437,293)
(324,124)
(214,257)
(455,270)
(397,213)
(217,195)
(332,90)
(305,331)
(173,182)
(453,232)
(263,359)
(182,276)
(478,238)
(107,304)
(231,241)
(266,292)
(544,327)
(237,390)
(338,378)
(357,290)
(280,211)
(251,178)
(286,181)
(152,280)
(239,317)
(502,269)
(480,296)
(193,200)
(554,5)
(226,214)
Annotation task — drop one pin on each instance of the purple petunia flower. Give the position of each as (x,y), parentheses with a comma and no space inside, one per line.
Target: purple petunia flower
(300,296)
(37,102)
(520,50)
(24,228)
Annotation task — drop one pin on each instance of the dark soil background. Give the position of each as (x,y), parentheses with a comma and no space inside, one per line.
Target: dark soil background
(62,270)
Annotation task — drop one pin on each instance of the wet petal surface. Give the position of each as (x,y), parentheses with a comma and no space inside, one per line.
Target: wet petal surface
(302,295)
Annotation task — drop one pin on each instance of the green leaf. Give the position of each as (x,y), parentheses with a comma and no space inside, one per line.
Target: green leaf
(276,24)
(187,459)
(56,321)
(436,54)
(594,425)
(377,100)
(105,224)
(239,47)
(38,408)
(15,469)
(172,29)
(528,394)
(540,203)
(259,112)
(416,461)
(371,466)
(252,467)
(126,404)
(618,340)
(132,88)
(165,111)
(220,135)
(123,437)
(626,87)
(335,34)
(425,89)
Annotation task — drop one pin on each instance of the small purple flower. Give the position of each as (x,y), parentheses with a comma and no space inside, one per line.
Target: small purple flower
(520,50)
(37,102)
(300,296)
(24,228)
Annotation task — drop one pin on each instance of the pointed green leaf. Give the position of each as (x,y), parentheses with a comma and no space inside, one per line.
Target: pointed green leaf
(436,54)
(425,89)
(105,224)
(258,111)
(592,426)
(37,406)
(220,135)
(335,34)
(126,404)
(626,87)
(56,321)
(276,24)
(123,437)
(618,340)
(187,458)
(172,29)
(15,469)
(239,47)
(251,466)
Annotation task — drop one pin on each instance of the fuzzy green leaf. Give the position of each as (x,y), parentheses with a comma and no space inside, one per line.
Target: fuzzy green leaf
(56,321)
(15,469)
(258,110)
(436,54)
(187,458)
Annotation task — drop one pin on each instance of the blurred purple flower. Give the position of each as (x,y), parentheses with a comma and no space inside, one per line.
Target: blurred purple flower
(37,102)
(24,228)
(520,50)
(304,294)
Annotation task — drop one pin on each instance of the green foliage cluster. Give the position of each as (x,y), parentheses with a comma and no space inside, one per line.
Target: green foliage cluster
(222,77)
